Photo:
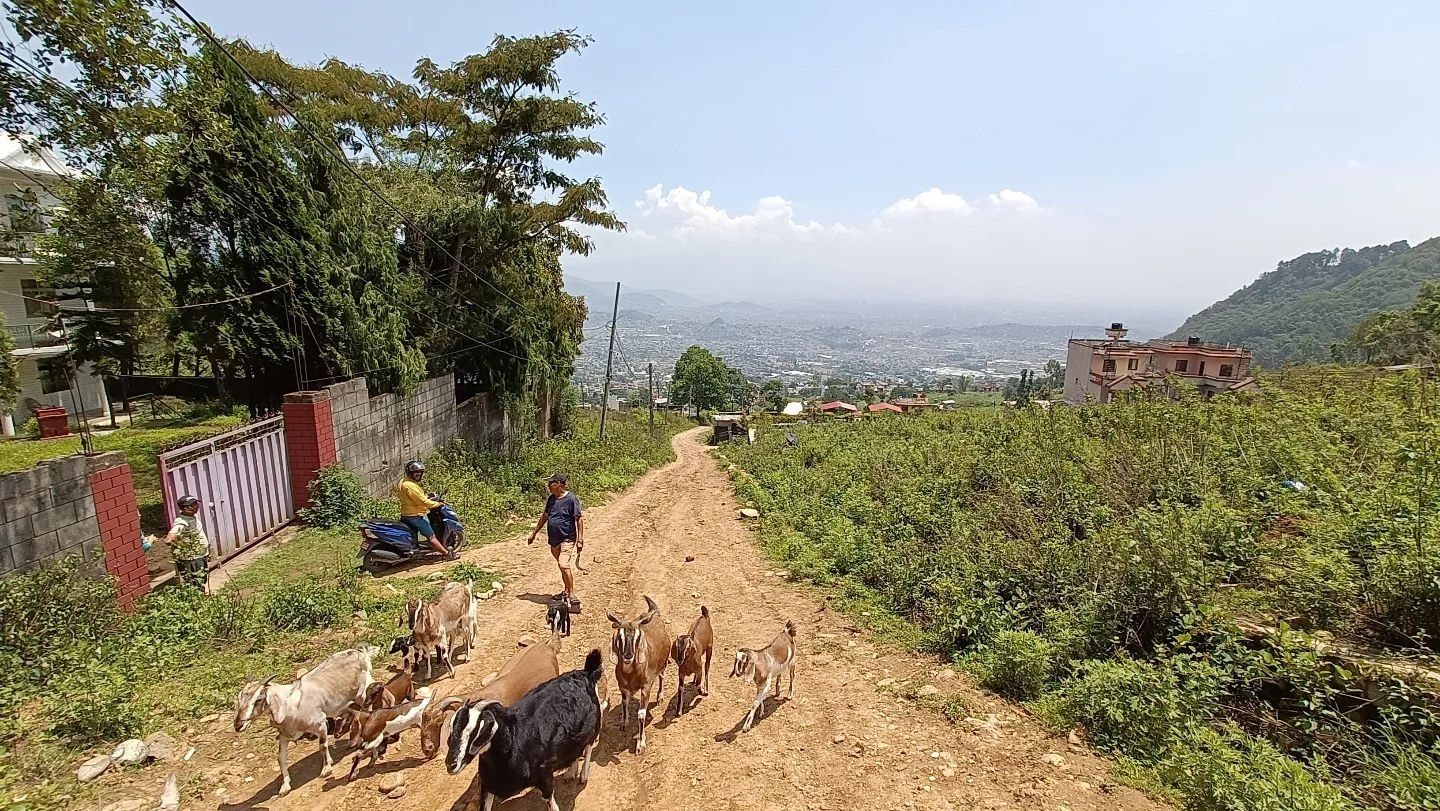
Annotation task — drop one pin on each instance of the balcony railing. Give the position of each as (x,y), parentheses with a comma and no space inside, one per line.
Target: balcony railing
(28,336)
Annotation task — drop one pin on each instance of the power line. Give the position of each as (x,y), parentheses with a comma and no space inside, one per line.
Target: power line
(173,307)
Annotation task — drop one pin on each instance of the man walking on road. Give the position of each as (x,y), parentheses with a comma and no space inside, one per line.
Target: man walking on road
(566,530)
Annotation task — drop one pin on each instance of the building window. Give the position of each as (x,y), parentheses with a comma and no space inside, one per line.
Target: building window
(1226,370)
(52,376)
(1133,364)
(1108,366)
(37,299)
(1202,368)
(1182,366)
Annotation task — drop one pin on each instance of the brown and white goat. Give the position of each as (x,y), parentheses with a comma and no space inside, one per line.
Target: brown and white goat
(530,667)
(641,647)
(305,706)
(397,690)
(764,666)
(373,730)
(437,626)
(691,653)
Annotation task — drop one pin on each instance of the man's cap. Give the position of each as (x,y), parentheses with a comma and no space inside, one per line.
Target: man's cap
(558,478)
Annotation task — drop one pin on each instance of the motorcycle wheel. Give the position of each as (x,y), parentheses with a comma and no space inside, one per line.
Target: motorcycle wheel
(374,564)
(458,538)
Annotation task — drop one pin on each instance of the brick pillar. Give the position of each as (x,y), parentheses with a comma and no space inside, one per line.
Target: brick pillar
(119,517)
(309,440)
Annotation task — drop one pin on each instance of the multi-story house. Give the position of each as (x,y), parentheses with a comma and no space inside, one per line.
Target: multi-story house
(1095,369)
(28,178)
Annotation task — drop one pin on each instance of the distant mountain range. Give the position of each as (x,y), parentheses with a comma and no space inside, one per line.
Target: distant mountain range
(600,297)
(1297,311)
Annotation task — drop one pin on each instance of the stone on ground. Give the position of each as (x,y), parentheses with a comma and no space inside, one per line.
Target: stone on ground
(92,768)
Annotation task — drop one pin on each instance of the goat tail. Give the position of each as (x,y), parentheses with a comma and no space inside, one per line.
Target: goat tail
(790,628)
(593,663)
(704,612)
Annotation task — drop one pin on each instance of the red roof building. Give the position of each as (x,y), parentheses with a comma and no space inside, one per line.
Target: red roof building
(880,408)
(838,406)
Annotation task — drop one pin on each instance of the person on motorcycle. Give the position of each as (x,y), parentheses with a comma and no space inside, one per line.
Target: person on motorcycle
(415,507)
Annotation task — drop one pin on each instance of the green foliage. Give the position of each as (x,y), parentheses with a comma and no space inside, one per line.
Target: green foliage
(9,370)
(1225,771)
(705,381)
(1305,306)
(1411,335)
(1016,664)
(337,499)
(311,602)
(1108,556)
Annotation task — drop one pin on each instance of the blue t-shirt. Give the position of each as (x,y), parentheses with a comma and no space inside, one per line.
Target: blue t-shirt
(560,517)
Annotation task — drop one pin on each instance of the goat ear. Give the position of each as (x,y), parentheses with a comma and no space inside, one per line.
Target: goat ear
(647,616)
(651,604)
(614,620)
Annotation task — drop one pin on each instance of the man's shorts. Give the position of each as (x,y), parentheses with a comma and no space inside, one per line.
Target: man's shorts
(564,553)
(420,524)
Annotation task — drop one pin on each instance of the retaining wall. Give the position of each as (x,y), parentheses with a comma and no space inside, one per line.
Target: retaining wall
(376,436)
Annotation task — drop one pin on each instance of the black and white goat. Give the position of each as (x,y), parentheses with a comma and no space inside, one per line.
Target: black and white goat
(522,746)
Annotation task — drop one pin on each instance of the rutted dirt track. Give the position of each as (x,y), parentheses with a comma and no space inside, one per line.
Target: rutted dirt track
(893,753)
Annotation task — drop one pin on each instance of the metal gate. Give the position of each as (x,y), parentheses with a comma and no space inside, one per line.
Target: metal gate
(242,479)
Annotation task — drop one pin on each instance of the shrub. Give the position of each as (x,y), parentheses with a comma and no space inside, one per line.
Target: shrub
(1404,777)
(337,499)
(93,702)
(311,602)
(49,614)
(1129,707)
(1016,664)
(1226,771)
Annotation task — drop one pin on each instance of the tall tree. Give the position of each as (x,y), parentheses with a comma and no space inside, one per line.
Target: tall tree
(702,380)
(9,371)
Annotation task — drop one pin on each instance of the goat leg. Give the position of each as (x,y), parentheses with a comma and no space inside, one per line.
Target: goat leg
(284,757)
(489,802)
(759,702)
(547,790)
(589,755)
(792,682)
(705,680)
(640,714)
(325,750)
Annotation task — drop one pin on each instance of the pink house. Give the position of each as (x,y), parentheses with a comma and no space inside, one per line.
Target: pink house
(882,408)
(1095,369)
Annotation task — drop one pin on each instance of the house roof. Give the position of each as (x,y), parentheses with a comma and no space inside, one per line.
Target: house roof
(912,401)
(874,407)
(23,155)
(837,405)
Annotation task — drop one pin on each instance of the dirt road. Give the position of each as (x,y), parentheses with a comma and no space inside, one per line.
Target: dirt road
(843,742)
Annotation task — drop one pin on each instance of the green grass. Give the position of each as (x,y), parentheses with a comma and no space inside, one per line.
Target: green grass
(140,444)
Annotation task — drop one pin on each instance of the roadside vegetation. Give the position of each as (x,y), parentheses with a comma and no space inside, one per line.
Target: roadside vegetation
(1240,598)
(82,675)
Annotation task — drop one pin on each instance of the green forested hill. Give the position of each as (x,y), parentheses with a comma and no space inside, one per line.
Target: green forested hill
(1295,312)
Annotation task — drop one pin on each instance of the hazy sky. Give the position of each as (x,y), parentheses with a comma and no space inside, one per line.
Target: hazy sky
(1142,153)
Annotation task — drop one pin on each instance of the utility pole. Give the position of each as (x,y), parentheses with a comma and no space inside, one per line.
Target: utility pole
(651,370)
(609,359)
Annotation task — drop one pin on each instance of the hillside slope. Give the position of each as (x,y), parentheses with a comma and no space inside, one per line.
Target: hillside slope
(1295,312)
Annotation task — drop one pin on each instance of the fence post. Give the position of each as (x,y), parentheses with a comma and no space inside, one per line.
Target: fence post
(309,440)
(118,514)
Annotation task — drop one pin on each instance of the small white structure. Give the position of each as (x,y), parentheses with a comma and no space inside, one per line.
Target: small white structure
(793,408)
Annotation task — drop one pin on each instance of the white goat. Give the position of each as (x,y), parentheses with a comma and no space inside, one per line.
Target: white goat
(304,706)
(439,625)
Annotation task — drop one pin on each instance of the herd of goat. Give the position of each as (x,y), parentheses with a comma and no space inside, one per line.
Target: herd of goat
(526,721)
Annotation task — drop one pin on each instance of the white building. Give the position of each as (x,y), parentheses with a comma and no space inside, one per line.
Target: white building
(39,346)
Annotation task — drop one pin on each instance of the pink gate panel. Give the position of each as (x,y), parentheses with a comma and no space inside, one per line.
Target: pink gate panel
(242,478)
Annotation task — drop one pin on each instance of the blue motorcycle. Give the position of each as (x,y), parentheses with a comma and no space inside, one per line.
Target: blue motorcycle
(389,543)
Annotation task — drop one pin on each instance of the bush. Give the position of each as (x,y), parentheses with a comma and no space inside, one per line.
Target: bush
(1016,664)
(92,703)
(1404,777)
(337,499)
(1227,771)
(311,602)
(1130,708)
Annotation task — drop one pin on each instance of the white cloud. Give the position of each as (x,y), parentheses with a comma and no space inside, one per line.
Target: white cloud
(1354,163)
(1015,201)
(687,212)
(930,201)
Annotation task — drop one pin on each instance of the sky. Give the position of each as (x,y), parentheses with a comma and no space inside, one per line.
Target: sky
(1150,156)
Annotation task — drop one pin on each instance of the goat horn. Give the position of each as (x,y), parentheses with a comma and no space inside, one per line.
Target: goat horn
(651,604)
(448,703)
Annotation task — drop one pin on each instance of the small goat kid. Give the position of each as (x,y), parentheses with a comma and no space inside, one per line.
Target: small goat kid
(304,707)
(765,666)
(375,729)
(640,646)
(521,747)
(437,626)
(692,653)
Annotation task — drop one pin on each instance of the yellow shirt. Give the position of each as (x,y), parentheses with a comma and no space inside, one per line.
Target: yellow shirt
(413,500)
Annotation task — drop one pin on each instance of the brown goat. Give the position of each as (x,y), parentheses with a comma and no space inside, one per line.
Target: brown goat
(641,646)
(691,653)
(530,667)
(765,666)
(373,731)
(438,625)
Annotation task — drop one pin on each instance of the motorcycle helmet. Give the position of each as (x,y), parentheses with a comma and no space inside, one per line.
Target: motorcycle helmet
(415,467)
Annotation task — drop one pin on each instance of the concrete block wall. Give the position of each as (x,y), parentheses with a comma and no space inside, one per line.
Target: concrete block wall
(376,436)
(483,423)
(74,506)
